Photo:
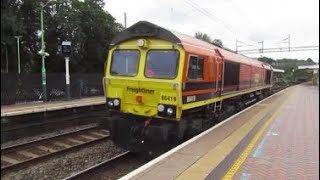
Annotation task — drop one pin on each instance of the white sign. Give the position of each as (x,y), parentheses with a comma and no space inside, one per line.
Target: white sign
(66,43)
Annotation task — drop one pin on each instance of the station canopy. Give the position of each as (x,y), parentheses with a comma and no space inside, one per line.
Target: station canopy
(315,67)
(278,70)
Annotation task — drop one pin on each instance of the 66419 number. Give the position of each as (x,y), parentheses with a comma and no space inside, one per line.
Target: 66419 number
(168,98)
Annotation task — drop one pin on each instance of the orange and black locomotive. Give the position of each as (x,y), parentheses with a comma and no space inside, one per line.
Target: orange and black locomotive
(162,86)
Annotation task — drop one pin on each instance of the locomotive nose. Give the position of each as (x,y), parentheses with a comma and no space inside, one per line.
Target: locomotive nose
(143,110)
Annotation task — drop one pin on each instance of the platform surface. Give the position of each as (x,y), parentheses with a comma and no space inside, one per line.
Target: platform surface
(277,138)
(289,147)
(27,108)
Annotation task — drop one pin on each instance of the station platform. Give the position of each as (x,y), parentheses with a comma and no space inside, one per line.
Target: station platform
(278,138)
(28,108)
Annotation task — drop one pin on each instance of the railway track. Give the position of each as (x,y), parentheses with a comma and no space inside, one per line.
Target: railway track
(98,167)
(16,127)
(113,168)
(20,155)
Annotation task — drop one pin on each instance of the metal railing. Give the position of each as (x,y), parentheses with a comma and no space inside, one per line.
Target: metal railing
(22,88)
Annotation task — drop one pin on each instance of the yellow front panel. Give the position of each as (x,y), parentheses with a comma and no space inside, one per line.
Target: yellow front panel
(153,91)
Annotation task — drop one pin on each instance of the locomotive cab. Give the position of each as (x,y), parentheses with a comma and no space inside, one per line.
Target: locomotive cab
(144,80)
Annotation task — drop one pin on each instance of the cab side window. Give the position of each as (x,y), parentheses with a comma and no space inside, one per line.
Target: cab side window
(195,70)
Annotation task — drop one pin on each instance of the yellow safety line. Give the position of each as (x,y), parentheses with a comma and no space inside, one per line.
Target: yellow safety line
(235,167)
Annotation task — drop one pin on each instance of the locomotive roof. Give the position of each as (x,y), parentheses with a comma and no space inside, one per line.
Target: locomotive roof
(144,29)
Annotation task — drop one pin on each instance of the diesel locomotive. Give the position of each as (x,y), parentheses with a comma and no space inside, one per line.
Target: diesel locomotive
(162,86)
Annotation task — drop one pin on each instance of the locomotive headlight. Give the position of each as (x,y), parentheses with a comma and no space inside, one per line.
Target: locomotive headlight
(110,103)
(161,108)
(142,43)
(166,110)
(116,102)
(169,111)
(113,103)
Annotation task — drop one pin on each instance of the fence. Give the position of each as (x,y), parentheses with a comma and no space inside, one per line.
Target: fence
(20,88)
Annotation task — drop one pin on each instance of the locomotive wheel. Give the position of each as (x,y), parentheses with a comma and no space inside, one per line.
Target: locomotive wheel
(120,131)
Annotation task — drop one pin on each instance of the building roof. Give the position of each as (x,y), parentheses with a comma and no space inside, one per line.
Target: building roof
(278,70)
(315,66)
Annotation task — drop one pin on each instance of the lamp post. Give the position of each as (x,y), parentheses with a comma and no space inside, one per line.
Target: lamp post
(42,53)
(18,52)
(125,20)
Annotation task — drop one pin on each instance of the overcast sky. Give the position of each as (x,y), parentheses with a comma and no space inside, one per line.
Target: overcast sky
(249,21)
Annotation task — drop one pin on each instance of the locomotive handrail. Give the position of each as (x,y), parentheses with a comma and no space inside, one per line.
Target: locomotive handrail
(104,88)
(222,83)
(217,76)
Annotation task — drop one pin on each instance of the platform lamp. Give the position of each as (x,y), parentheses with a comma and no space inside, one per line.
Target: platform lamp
(42,52)
(18,53)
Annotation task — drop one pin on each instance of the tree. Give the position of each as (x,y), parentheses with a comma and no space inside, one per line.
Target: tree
(89,28)
(290,66)
(217,42)
(11,26)
(310,60)
(203,37)
(267,60)
(85,24)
